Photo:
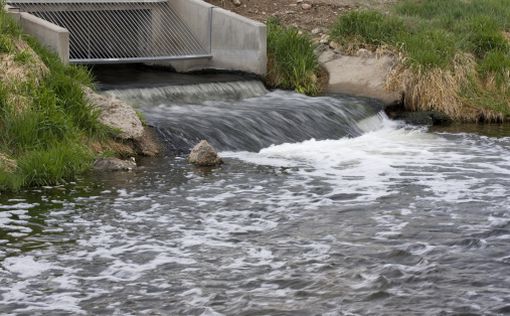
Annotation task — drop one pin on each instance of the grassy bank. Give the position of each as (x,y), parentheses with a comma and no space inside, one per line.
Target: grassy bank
(454,56)
(45,122)
(292,63)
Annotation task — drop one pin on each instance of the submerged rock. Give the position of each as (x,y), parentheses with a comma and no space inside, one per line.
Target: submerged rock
(428,118)
(114,164)
(203,154)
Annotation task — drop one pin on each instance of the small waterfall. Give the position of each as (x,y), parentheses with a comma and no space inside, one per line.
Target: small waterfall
(195,93)
(243,115)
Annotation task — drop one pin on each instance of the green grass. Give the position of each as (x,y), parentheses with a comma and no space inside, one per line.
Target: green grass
(45,121)
(292,62)
(368,27)
(431,33)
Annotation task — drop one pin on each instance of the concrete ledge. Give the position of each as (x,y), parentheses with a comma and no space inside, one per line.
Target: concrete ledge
(50,35)
(236,43)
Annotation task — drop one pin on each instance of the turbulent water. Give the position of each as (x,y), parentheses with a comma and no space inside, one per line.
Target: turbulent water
(326,208)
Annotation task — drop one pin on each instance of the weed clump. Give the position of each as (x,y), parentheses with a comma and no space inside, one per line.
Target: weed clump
(368,27)
(292,63)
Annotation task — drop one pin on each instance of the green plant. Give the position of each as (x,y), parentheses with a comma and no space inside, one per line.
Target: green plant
(23,57)
(369,27)
(496,63)
(456,53)
(6,44)
(292,62)
(482,35)
(46,123)
(429,48)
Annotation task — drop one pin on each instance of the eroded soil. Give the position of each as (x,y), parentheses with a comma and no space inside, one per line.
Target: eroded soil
(319,16)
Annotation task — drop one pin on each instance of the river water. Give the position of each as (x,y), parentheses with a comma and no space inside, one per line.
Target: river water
(323,207)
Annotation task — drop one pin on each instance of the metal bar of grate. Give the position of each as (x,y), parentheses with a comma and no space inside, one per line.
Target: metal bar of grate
(120,30)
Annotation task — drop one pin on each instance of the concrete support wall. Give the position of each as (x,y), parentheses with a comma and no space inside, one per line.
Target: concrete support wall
(236,43)
(50,35)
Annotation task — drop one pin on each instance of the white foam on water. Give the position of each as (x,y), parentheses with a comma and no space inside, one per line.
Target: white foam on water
(368,167)
(19,206)
(183,237)
(26,266)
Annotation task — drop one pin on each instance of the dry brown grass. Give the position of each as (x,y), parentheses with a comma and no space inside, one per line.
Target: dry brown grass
(440,89)
(113,146)
(7,164)
(13,72)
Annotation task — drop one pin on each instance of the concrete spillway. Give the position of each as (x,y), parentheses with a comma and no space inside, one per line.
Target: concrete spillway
(186,34)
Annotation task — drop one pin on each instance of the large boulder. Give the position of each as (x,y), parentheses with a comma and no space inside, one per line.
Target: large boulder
(203,154)
(116,114)
(123,118)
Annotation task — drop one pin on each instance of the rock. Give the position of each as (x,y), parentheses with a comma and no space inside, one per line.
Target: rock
(203,154)
(236,2)
(324,39)
(299,1)
(335,46)
(116,114)
(439,118)
(114,164)
(326,56)
(316,31)
(306,6)
(359,76)
(319,49)
(364,53)
(416,118)
(427,118)
(147,144)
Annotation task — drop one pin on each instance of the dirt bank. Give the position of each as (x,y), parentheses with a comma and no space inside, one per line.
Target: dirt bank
(321,13)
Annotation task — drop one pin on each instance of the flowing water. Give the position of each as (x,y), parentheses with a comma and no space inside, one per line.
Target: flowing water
(323,207)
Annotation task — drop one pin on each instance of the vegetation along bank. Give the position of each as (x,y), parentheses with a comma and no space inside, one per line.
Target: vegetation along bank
(52,125)
(452,57)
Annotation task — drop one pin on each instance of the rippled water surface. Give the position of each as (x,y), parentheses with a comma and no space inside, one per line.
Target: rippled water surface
(383,219)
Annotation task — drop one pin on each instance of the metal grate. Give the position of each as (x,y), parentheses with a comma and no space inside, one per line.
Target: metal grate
(121,31)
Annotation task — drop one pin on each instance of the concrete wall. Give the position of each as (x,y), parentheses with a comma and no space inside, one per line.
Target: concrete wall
(50,35)
(236,43)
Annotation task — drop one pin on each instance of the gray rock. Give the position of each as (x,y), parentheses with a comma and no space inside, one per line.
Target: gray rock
(203,154)
(335,46)
(316,31)
(327,56)
(427,118)
(364,53)
(116,114)
(114,164)
(306,6)
(147,144)
(324,39)
(361,76)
